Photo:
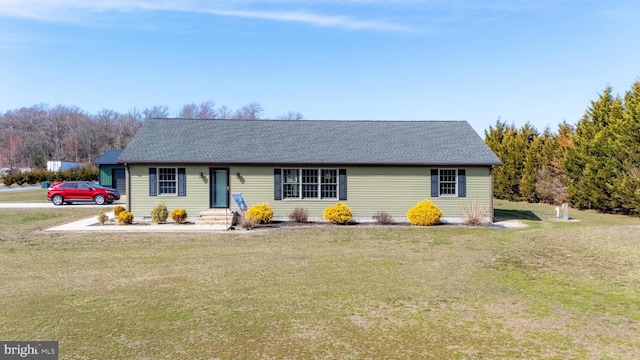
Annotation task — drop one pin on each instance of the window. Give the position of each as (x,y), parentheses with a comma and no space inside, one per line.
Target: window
(448,183)
(167,181)
(290,184)
(309,183)
(329,180)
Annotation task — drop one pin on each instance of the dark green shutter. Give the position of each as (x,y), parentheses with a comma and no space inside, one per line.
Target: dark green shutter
(152,182)
(342,184)
(434,183)
(277,184)
(182,182)
(462,183)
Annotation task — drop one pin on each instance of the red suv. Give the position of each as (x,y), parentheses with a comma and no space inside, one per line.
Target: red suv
(67,192)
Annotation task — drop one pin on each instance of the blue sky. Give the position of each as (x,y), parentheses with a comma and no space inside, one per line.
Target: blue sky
(522,61)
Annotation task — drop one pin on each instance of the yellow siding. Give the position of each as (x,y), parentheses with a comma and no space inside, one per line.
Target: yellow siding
(370,189)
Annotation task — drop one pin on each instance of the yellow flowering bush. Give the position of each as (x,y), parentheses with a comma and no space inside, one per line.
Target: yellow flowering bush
(125,217)
(261,213)
(179,216)
(338,213)
(424,213)
(118,209)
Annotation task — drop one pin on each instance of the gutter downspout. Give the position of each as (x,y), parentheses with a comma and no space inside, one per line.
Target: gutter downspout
(493,214)
(127,177)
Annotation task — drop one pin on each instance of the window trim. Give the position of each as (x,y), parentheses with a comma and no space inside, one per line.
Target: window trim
(175,172)
(456,183)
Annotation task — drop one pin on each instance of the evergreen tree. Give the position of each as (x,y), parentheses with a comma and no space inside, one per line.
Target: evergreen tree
(493,138)
(592,162)
(531,143)
(626,182)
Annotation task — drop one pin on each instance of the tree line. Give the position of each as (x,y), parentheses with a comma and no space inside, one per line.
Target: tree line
(592,165)
(29,137)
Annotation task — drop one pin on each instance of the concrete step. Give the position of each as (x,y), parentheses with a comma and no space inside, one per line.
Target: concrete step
(215,217)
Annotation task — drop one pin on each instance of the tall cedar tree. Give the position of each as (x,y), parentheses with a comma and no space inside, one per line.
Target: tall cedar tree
(533,144)
(595,159)
(627,177)
(520,167)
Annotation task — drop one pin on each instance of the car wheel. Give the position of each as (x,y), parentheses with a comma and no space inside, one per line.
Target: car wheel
(99,200)
(57,200)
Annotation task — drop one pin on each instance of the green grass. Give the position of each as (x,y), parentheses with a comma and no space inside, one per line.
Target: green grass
(36,195)
(550,290)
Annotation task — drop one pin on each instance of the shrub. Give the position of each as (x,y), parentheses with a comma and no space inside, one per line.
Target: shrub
(19,179)
(383,218)
(7,180)
(159,213)
(117,210)
(299,215)
(476,214)
(424,213)
(179,215)
(125,218)
(247,222)
(338,213)
(102,217)
(261,213)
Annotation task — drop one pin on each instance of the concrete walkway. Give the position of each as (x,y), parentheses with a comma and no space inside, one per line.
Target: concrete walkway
(91,224)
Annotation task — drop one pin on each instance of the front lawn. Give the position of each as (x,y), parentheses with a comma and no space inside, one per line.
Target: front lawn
(550,290)
(35,195)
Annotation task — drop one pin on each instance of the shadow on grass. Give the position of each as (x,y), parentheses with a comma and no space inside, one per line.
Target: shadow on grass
(516,215)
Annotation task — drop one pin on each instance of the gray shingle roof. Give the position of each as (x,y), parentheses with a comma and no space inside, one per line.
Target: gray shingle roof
(308,142)
(110,157)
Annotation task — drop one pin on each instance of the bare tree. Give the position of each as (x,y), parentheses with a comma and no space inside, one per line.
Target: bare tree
(126,127)
(224,112)
(207,110)
(155,112)
(291,116)
(252,111)
(105,120)
(189,111)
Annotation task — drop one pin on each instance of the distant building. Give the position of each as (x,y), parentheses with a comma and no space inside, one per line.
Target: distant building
(110,173)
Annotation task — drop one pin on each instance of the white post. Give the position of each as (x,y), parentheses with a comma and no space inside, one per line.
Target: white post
(557,212)
(565,212)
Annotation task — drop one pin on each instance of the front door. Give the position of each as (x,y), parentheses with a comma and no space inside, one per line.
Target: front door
(219,188)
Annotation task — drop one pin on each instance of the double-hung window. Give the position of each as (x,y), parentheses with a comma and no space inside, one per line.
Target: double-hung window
(167,181)
(309,183)
(448,183)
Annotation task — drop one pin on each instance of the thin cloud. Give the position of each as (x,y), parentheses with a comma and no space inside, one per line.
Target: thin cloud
(76,12)
(314,19)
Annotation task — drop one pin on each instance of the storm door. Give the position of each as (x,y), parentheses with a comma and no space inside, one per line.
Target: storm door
(219,188)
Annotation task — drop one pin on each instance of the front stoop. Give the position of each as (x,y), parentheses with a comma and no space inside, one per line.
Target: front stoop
(215,217)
